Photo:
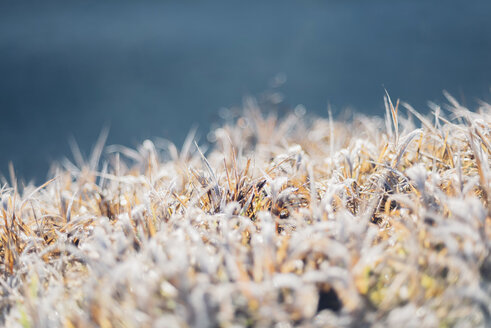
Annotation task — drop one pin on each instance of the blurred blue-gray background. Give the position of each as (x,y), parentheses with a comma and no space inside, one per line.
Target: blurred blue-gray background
(155,68)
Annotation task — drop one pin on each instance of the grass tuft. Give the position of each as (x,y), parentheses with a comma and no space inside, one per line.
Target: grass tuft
(315,223)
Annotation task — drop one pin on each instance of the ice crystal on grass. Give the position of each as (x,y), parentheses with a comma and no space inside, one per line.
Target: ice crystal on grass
(284,222)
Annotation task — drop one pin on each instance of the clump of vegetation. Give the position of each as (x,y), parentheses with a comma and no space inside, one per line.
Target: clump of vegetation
(295,222)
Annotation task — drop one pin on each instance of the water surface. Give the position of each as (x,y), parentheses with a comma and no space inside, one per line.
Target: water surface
(156,68)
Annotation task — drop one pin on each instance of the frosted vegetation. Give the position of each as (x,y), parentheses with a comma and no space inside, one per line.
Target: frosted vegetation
(288,222)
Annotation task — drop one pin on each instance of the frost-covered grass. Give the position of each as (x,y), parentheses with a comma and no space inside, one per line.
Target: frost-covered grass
(296,222)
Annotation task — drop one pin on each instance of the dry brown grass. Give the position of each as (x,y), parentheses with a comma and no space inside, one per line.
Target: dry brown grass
(322,224)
